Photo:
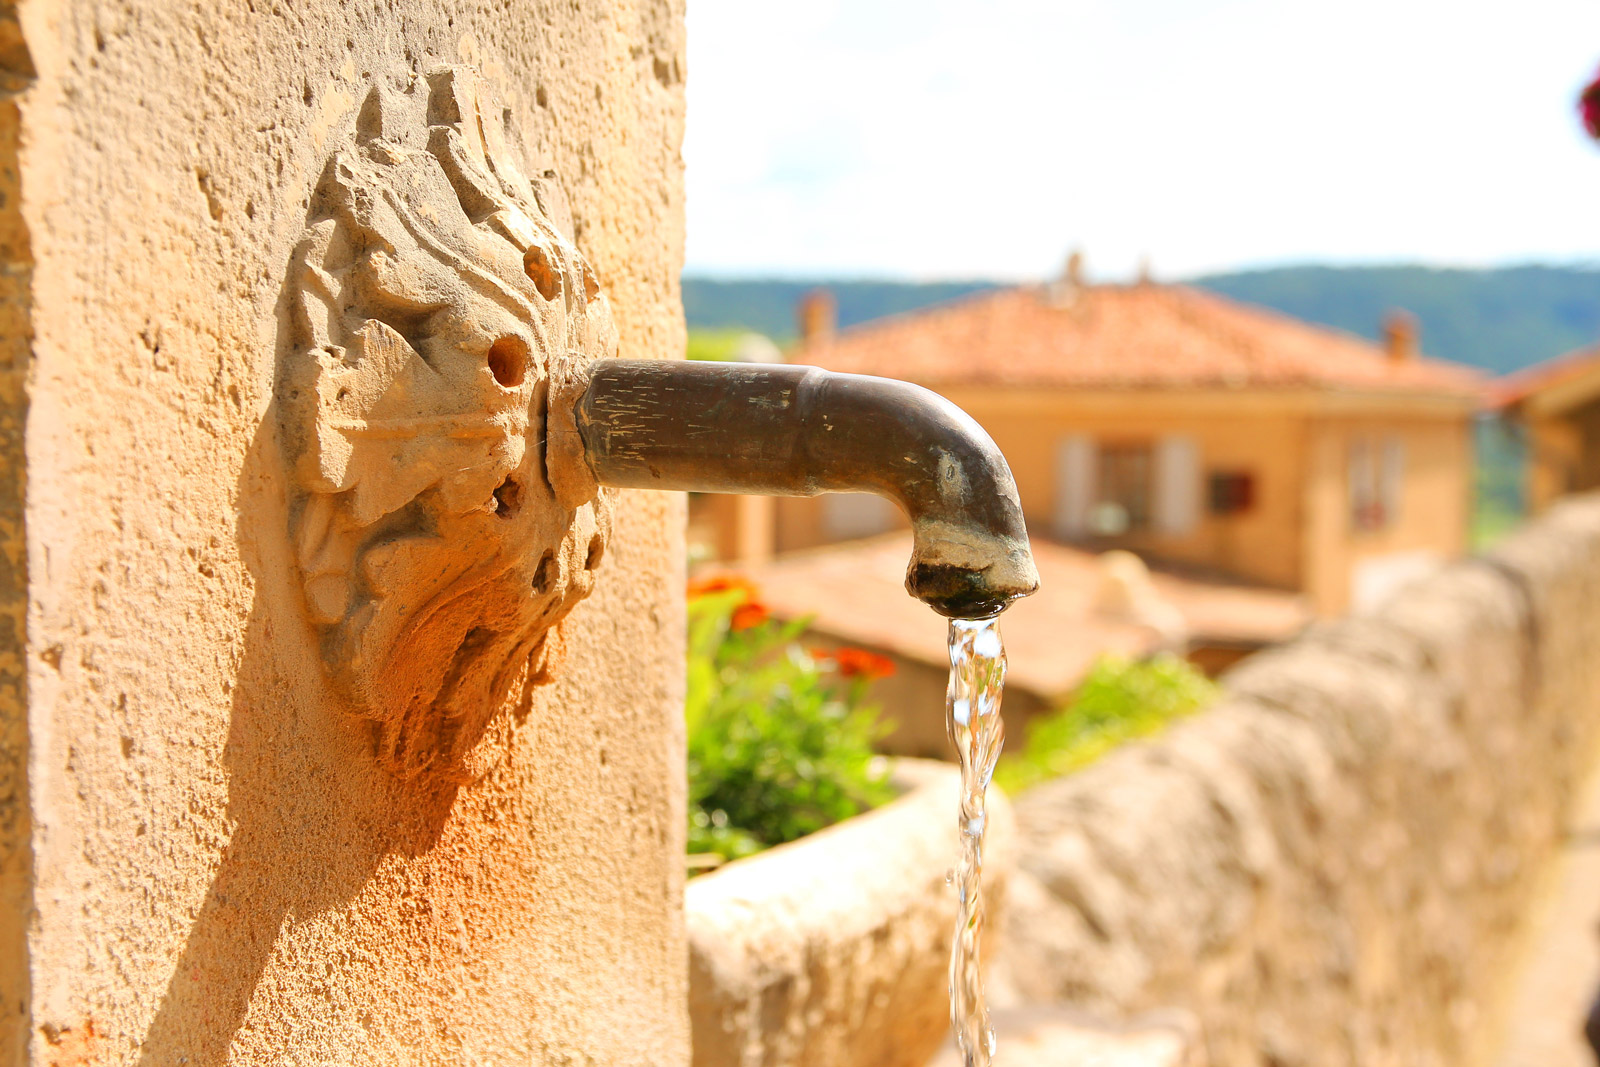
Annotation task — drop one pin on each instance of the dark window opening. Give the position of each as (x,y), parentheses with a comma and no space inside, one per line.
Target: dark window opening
(1232,492)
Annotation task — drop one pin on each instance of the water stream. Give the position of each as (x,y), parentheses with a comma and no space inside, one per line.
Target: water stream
(977,675)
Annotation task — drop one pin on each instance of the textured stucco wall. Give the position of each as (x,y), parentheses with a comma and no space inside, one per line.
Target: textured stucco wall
(1331,867)
(221,874)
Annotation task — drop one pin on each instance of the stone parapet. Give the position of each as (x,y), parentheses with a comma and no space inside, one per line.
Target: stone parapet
(1330,867)
(835,949)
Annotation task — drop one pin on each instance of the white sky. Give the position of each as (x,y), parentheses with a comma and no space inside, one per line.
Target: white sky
(985,138)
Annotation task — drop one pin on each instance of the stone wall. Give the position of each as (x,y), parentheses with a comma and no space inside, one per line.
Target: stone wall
(16,270)
(1330,867)
(222,869)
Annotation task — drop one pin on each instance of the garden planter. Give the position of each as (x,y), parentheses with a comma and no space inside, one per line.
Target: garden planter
(834,949)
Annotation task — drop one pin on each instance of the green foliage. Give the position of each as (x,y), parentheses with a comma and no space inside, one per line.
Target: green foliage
(1121,699)
(714,345)
(1498,503)
(780,739)
(1499,319)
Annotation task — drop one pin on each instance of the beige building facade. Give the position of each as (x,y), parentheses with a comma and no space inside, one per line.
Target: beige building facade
(1190,430)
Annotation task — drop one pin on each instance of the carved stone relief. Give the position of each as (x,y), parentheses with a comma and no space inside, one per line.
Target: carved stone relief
(435,302)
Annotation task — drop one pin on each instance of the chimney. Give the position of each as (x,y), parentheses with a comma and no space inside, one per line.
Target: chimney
(1074,272)
(1064,291)
(817,316)
(1400,336)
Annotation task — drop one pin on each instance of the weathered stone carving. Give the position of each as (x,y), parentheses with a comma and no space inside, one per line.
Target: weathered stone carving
(435,300)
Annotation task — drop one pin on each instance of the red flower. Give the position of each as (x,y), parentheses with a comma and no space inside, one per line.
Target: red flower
(859,663)
(748,615)
(1589,108)
(723,583)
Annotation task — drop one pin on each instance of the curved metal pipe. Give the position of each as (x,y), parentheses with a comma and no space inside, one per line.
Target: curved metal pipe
(784,430)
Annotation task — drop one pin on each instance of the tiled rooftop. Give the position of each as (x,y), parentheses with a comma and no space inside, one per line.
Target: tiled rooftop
(1135,336)
(1565,370)
(857,594)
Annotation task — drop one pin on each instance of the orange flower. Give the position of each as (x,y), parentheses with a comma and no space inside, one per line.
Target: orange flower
(723,583)
(859,663)
(748,615)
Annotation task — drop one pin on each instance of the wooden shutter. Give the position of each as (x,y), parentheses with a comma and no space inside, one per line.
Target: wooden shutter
(847,516)
(1075,488)
(1177,485)
(1392,479)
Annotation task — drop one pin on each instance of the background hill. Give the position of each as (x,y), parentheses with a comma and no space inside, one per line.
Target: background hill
(1498,319)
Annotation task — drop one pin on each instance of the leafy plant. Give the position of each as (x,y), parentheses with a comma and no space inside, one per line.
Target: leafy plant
(1121,699)
(779,738)
(714,345)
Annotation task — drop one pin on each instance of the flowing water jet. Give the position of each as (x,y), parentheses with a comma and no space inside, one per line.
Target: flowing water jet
(977,677)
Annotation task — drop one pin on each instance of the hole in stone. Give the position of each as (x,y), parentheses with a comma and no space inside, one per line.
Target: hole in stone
(545,277)
(545,576)
(591,283)
(597,551)
(507,498)
(508,360)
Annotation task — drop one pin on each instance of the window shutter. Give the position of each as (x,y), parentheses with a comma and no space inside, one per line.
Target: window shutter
(1177,485)
(1075,489)
(1359,483)
(847,516)
(1392,479)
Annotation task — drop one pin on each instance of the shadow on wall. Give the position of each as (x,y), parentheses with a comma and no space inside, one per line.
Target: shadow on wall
(312,814)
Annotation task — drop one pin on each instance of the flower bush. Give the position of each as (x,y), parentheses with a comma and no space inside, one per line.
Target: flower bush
(1121,699)
(779,737)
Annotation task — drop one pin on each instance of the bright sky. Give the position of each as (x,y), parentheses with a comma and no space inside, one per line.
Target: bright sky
(985,138)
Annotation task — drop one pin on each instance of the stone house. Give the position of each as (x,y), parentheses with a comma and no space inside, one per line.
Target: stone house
(1182,426)
(1557,405)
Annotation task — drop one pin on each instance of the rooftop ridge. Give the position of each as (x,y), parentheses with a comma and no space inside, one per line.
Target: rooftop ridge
(1139,334)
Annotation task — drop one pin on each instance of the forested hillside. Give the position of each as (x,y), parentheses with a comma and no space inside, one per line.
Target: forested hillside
(1497,319)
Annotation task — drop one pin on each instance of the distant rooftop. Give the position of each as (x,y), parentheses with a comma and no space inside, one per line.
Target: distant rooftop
(856,592)
(1558,384)
(1125,337)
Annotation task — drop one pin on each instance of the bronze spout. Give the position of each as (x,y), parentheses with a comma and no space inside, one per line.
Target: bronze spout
(799,431)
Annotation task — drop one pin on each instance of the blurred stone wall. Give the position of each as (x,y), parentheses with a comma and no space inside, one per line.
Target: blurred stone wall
(1331,867)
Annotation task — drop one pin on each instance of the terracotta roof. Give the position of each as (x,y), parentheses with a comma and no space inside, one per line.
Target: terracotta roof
(856,593)
(1136,336)
(1551,374)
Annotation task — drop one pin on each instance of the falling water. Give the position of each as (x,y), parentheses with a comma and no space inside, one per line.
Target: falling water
(977,675)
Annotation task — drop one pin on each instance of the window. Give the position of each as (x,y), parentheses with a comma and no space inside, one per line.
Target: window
(1376,482)
(1231,492)
(1106,489)
(1122,504)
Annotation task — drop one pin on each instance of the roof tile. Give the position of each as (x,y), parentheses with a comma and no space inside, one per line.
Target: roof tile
(1135,336)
